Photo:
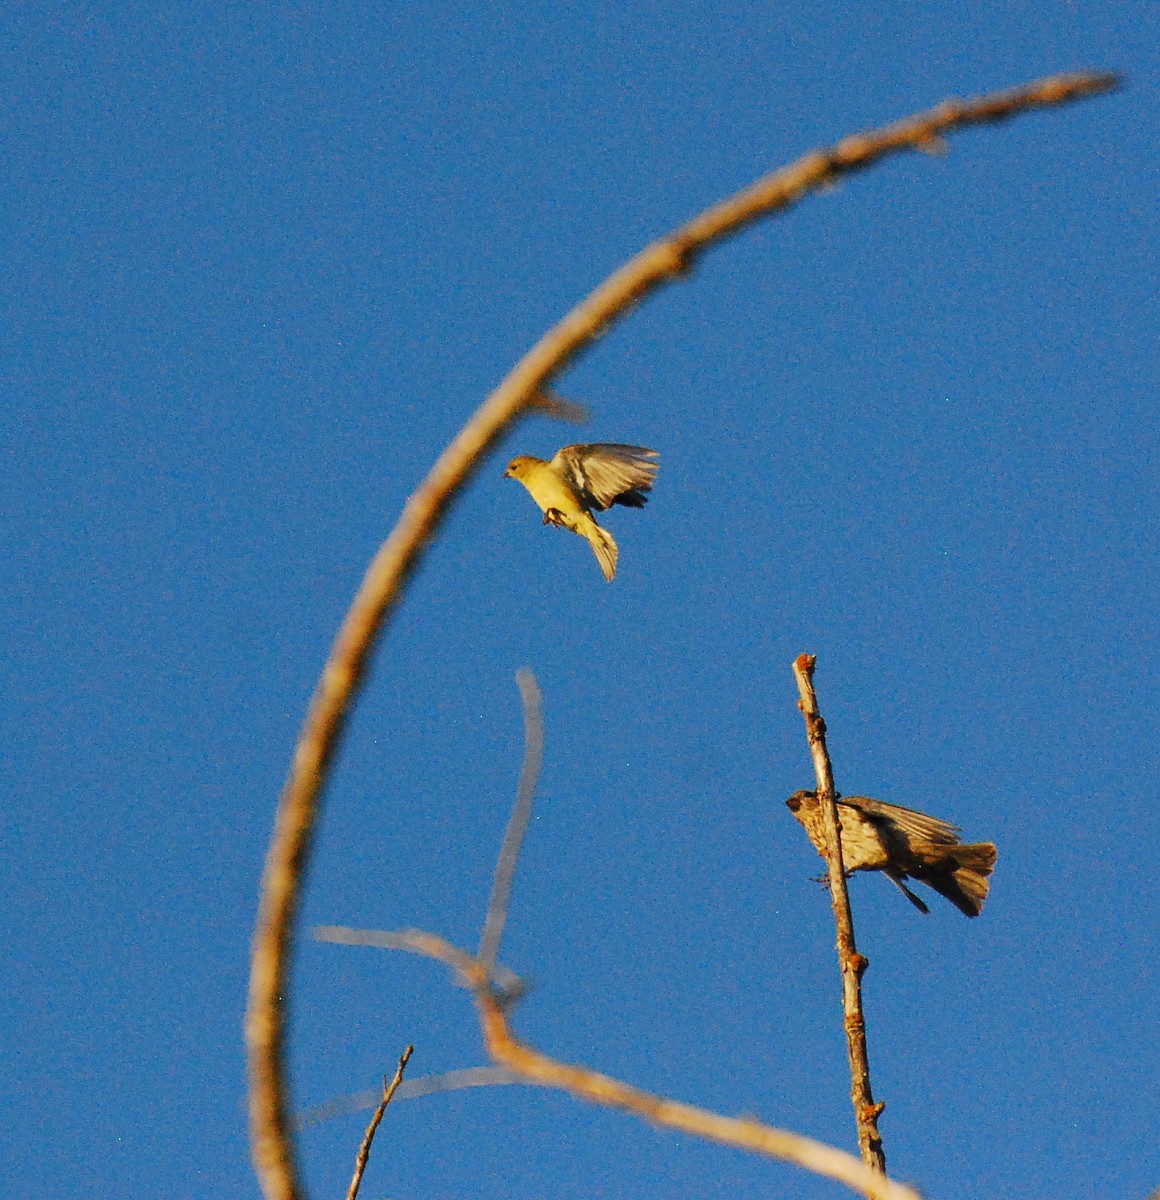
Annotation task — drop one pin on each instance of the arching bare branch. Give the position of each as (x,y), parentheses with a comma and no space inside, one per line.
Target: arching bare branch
(523,389)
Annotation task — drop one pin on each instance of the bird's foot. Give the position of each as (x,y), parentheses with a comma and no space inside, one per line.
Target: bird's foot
(825,879)
(553,516)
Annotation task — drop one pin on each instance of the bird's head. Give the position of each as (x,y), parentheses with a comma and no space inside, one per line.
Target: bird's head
(518,467)
(795,801)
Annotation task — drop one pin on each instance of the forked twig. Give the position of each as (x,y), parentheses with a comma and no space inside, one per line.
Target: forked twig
(505,1049)
(850,962)
(513,839)
(522,390)
(364,1151)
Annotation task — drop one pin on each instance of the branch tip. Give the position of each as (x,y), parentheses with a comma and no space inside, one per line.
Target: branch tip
(390,1087)
(805,664)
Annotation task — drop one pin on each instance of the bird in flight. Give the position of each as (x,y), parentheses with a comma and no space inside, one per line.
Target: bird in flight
(579,479)
(903,844)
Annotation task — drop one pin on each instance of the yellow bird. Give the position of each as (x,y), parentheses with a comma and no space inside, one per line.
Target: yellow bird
(579,479)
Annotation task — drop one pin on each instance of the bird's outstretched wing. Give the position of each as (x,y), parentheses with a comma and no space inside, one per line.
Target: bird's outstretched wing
(608,473)
(913,823)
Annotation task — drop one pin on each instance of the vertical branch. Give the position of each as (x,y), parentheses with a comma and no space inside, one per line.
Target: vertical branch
(850,962)
(364,1151)
(513,837)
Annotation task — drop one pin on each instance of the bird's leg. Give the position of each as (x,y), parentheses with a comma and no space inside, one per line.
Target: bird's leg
(826,879)
(553,516)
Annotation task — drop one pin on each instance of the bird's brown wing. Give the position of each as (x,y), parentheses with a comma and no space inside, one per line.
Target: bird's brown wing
(911,822)
(607,473)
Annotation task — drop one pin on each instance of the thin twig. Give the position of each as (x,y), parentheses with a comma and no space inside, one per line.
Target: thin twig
(513,838)
(386,577)
(745,1133)
(364,1151)
(851,964)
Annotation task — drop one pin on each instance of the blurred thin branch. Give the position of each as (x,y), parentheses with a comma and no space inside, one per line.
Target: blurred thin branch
(524,389)
(497,908)
(851,964)
(364,1151)
(551,405)
(530,1066)
(409,1089)
(507,982)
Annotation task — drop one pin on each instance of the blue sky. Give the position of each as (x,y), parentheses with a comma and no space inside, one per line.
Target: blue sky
(261,262)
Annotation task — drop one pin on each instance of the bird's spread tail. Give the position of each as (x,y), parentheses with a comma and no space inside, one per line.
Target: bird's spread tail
(964,876)
(603,546)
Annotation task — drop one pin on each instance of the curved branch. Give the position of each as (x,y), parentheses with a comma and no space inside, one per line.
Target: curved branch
(513,838)
(521,391)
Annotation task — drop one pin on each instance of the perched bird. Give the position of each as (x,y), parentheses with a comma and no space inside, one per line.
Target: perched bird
(903,844)
(582,478)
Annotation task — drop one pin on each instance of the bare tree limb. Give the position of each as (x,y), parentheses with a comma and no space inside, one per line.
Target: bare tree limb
(523,389)
(364,1151)
(497,908)
(852,964)
(530,1066)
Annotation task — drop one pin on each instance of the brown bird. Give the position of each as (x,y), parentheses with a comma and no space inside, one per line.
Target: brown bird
(903,844)
(579,479)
